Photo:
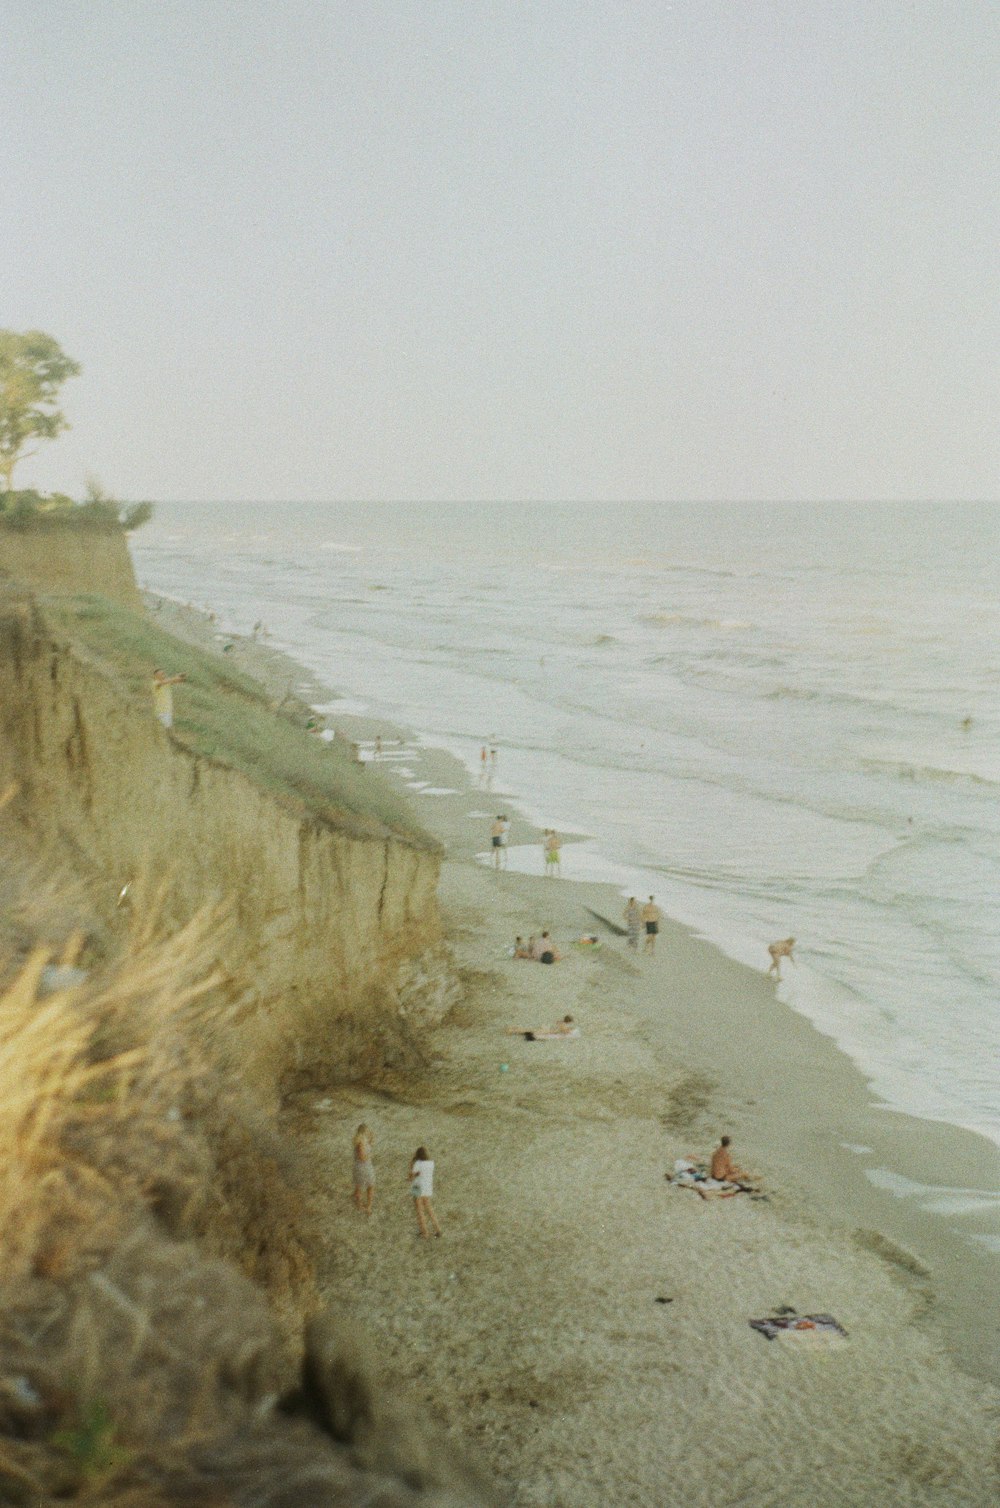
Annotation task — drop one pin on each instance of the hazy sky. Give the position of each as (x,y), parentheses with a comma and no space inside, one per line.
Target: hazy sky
(328,249)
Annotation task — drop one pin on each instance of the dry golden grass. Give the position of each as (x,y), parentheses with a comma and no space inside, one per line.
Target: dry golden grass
(155,1259)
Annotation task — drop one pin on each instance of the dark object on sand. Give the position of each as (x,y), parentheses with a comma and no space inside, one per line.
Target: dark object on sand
(790,1323)
(662,1301)
(606,922)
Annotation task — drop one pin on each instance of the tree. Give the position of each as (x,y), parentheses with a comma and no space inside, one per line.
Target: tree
(33,368)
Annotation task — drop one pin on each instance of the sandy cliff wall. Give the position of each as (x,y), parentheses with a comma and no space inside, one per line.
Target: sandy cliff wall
(57,557)
(334,945)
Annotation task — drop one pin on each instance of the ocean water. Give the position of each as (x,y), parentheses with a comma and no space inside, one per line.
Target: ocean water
(782,720)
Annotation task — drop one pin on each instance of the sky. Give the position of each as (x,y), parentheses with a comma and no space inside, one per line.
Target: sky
(468,249)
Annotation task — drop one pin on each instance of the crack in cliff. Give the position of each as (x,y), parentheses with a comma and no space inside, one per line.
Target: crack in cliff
(385,878)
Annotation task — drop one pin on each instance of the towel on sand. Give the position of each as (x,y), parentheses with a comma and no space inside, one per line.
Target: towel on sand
(695,1175)
(807,1327)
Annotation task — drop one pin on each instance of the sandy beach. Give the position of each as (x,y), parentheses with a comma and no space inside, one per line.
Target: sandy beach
(583,1323)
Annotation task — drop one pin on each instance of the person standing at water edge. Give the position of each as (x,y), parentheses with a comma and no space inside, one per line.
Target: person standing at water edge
(498,837)
(651,915)
(551,845)
(163,696)
(421,1176)
(633,921)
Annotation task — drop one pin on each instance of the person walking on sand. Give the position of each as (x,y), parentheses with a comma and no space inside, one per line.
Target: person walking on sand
(552,846)
(364,1171)
(163,696)
(651,915)
(633,921)
(498,836)
(421,1177)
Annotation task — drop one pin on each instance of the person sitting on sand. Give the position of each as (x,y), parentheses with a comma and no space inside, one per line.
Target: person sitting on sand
(545,950)
(364,1172)
(778,951)
(523,949)
(421,1177)
(723,1169)
(564,1028)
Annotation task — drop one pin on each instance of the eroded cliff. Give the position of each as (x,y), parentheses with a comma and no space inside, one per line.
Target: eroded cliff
(333,950)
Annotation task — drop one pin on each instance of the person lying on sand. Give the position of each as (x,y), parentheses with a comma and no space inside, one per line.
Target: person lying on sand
(545,950)
(778,951)
(567,1027)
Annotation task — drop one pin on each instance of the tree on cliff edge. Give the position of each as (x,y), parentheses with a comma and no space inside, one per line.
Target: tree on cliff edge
(33,367)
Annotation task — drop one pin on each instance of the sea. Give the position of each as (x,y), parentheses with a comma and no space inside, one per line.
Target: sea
(781,720)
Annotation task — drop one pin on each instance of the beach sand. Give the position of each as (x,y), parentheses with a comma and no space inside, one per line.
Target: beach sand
(534,1329)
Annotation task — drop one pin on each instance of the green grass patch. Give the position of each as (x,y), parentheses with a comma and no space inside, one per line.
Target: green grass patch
(224,714)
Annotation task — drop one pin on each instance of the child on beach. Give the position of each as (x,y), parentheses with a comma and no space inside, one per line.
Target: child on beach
(552,846)
(364,1172)
(421,1177)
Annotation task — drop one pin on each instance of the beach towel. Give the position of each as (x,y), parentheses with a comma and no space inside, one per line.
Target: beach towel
(695,1175)
(800,1327)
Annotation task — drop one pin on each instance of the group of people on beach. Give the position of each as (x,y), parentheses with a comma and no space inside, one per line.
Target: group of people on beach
(551,846)
(640,919)
(539,949)
(420,1177)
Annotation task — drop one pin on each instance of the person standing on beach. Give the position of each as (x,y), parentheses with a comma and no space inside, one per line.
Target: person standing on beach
(364,1172)
(651,915)
(163,696)
(551,845)
(633,921)
(498,838)
(421,1176)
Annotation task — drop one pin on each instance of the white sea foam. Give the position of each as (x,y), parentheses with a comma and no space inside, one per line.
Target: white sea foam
(802,747)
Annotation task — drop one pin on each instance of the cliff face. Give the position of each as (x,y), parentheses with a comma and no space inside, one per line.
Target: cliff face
(56,558)
(333,948)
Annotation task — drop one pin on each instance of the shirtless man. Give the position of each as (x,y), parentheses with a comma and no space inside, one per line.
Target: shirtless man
(498,837)
(722,1166)
(545,950)
(651,915)
(778,951)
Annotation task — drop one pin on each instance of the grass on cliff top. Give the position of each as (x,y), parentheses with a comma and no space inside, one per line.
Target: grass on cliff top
(223,713)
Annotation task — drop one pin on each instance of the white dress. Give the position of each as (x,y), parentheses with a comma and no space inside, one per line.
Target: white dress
(422,1184)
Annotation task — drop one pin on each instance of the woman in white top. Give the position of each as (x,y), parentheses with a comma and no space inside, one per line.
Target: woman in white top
(421,1177)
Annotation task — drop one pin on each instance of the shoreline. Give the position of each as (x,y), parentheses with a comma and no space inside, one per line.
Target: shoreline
(553,1169)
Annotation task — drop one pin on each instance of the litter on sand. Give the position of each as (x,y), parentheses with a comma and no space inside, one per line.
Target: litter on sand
(800,1327)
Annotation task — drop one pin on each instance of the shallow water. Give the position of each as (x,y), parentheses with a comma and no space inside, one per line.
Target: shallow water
(783,721)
